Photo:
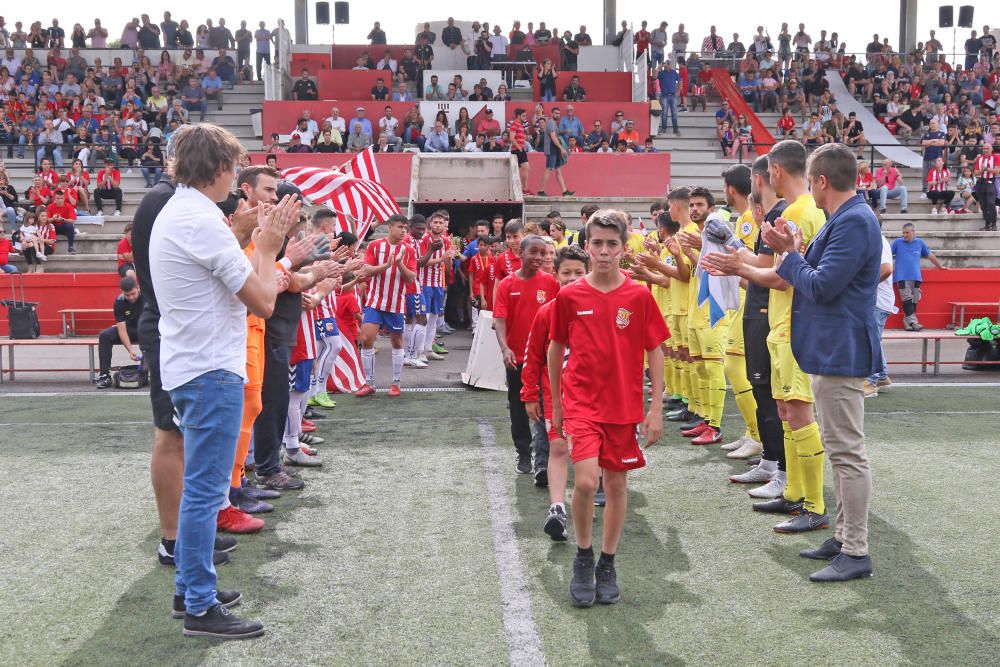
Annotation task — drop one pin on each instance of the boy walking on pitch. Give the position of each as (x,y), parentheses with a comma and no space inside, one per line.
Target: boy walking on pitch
(519,296)
(610,322)
(571,265)
(391,265)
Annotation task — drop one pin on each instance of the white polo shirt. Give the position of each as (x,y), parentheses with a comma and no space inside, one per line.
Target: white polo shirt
(197,267)
(884,297)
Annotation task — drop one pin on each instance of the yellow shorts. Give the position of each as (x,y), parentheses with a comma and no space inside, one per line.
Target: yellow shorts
(671,321)
(734,333)
(705,342)
(679,330)
(788,381)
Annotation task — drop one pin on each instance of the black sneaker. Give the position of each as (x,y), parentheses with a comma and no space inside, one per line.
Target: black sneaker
(253,505)
(105,382)
(555,524)
(600,500)
(523,466)
(673,404)
(583,587)
(167,558)
(694,421)
(225,543)
(280,481)
(227,599)
(220,623)
(682,416)
(542,477)
(607,583)
(251,490)
(780,505)
(826,551)
(312,414)
(805,522)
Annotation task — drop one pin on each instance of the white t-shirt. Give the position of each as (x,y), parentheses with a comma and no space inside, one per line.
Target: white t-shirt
(885,299)
(388,125)
(337,123)
(197,268)
(499,43)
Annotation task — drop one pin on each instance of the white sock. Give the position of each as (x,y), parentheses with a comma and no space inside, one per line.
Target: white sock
(293,425)
(325,361)
(419,331)
(475,317)
(408,339)
(397,365)
(767,466)
(782,476)
(560,505)
(430,333)
(368,364)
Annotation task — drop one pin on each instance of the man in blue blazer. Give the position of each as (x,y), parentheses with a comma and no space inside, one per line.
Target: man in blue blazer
(835,339)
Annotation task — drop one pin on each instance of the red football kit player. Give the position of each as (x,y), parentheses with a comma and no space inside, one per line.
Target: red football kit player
(571,265)
(509,260)
(390,265)
(481,277)
(518,298)
(609,322)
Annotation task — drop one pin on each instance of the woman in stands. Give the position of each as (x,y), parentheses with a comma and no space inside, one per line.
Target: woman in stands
(744,138)
(78,180)
(463,122)
(547,75)
(727,139)
(501,95)
(964,186)
(443,117)
(413,127)
(78,38)
(201,36)
(165,70)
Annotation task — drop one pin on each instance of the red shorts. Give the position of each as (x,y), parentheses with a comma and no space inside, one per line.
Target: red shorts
(615,445)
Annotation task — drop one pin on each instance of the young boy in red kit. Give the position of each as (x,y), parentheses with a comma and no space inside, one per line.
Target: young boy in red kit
(518,298)
(509,260)
(609,322)
(571,264)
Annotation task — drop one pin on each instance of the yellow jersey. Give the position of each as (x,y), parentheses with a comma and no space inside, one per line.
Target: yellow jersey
(747,232)
(660,293)
(810,219)
(678,289)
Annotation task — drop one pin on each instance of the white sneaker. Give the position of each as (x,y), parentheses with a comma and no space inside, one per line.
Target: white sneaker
(753,476)
(871,391)
(772,489)
(117,213)
(750,448)
(422,358)
(734,445)
(418,364)
(42,258)
(408,362)
(433,356)
(80,234)
(300,458)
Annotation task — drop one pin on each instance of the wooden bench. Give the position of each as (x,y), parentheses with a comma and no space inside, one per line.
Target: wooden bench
(11,344)
(960,306)
(68,316)
(926,337)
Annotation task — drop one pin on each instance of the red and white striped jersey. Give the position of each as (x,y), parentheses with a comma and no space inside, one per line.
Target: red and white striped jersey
(305,341)
(938,179)
(432,276)
(413,244)
(387,290)
(984,162)
(327,308)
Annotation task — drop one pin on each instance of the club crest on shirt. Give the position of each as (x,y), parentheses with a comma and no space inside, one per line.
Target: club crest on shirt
(540,296)
(746,228)
(622,318)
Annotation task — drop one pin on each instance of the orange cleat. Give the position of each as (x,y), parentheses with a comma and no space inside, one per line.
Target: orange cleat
(709,436)
(366,390)
(696,431)
(394,390)
(232,520)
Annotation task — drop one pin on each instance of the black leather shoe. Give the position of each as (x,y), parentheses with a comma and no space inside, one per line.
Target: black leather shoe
(826,551)
(844,568)
(780,506)
(227,599)
(684,416)
(220,623)
(804,522)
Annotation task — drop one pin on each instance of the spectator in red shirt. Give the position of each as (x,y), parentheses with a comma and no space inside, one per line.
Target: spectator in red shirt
(488,125)
(5,250)
(108,186)
(126,263)
(38,194)
(62,215)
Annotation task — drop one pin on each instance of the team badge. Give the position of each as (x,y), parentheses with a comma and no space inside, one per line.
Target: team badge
(746,228)
(622,319)
(540,295)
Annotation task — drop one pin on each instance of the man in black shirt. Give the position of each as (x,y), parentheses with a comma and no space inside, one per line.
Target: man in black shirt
(128,306)
(377,35)
(379,92)
(451,35)
(973,46)
(305,88)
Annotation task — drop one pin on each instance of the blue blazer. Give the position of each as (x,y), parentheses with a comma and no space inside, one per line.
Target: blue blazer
(833,308)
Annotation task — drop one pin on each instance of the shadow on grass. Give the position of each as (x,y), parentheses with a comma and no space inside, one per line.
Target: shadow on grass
(138,630)
(616,634)
(903,600)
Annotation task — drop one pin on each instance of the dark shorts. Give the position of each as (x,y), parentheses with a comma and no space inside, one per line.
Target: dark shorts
(755,351)
(522,157)
(553,160)
(125,268)
(163,408)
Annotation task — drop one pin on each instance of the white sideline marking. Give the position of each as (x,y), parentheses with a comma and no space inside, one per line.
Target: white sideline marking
(52,394)
(523,644)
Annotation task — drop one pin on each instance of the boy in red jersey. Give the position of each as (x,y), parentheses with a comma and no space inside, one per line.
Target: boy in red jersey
(481,278)
(571,265)
(509,261)
(518,298)
(390,266)
(609,322)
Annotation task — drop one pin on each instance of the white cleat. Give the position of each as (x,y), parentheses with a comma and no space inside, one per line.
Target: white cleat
(432,355)
(772,489)
(753,476)
(734,445)
(750,448)
(416,363)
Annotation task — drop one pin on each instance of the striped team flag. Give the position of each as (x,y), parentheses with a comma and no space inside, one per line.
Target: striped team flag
(353,191)
(348,376)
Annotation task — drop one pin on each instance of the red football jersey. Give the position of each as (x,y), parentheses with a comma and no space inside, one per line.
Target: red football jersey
(387,290)
(347,308)
(609,334)
(505,264)
(412,244)
(432,276)
(517,303)
(305,341)
(535,360)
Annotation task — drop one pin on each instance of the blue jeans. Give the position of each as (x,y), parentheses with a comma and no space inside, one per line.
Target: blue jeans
(8,268)
(880,317)
(549,96)
(10,219)
(57,156)
(668,101)
(210,408)
(200,107)
(898,192)
(152,175)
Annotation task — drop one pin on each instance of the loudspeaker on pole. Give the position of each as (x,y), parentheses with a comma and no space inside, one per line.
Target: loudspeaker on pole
(323,13)
(965,16)
(946,16)
(342,13)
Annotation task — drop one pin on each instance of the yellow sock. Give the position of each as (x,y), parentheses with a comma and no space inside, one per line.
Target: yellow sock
(716,391)
(682,385)
(668,377)
(736,372)
(690,385)
(793,488)
(810,462)
(701,387)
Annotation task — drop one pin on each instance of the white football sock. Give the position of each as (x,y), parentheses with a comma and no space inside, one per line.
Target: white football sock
(368,364)
(397,365)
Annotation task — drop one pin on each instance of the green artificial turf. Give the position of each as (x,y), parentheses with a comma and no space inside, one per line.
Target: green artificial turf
(387,556)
